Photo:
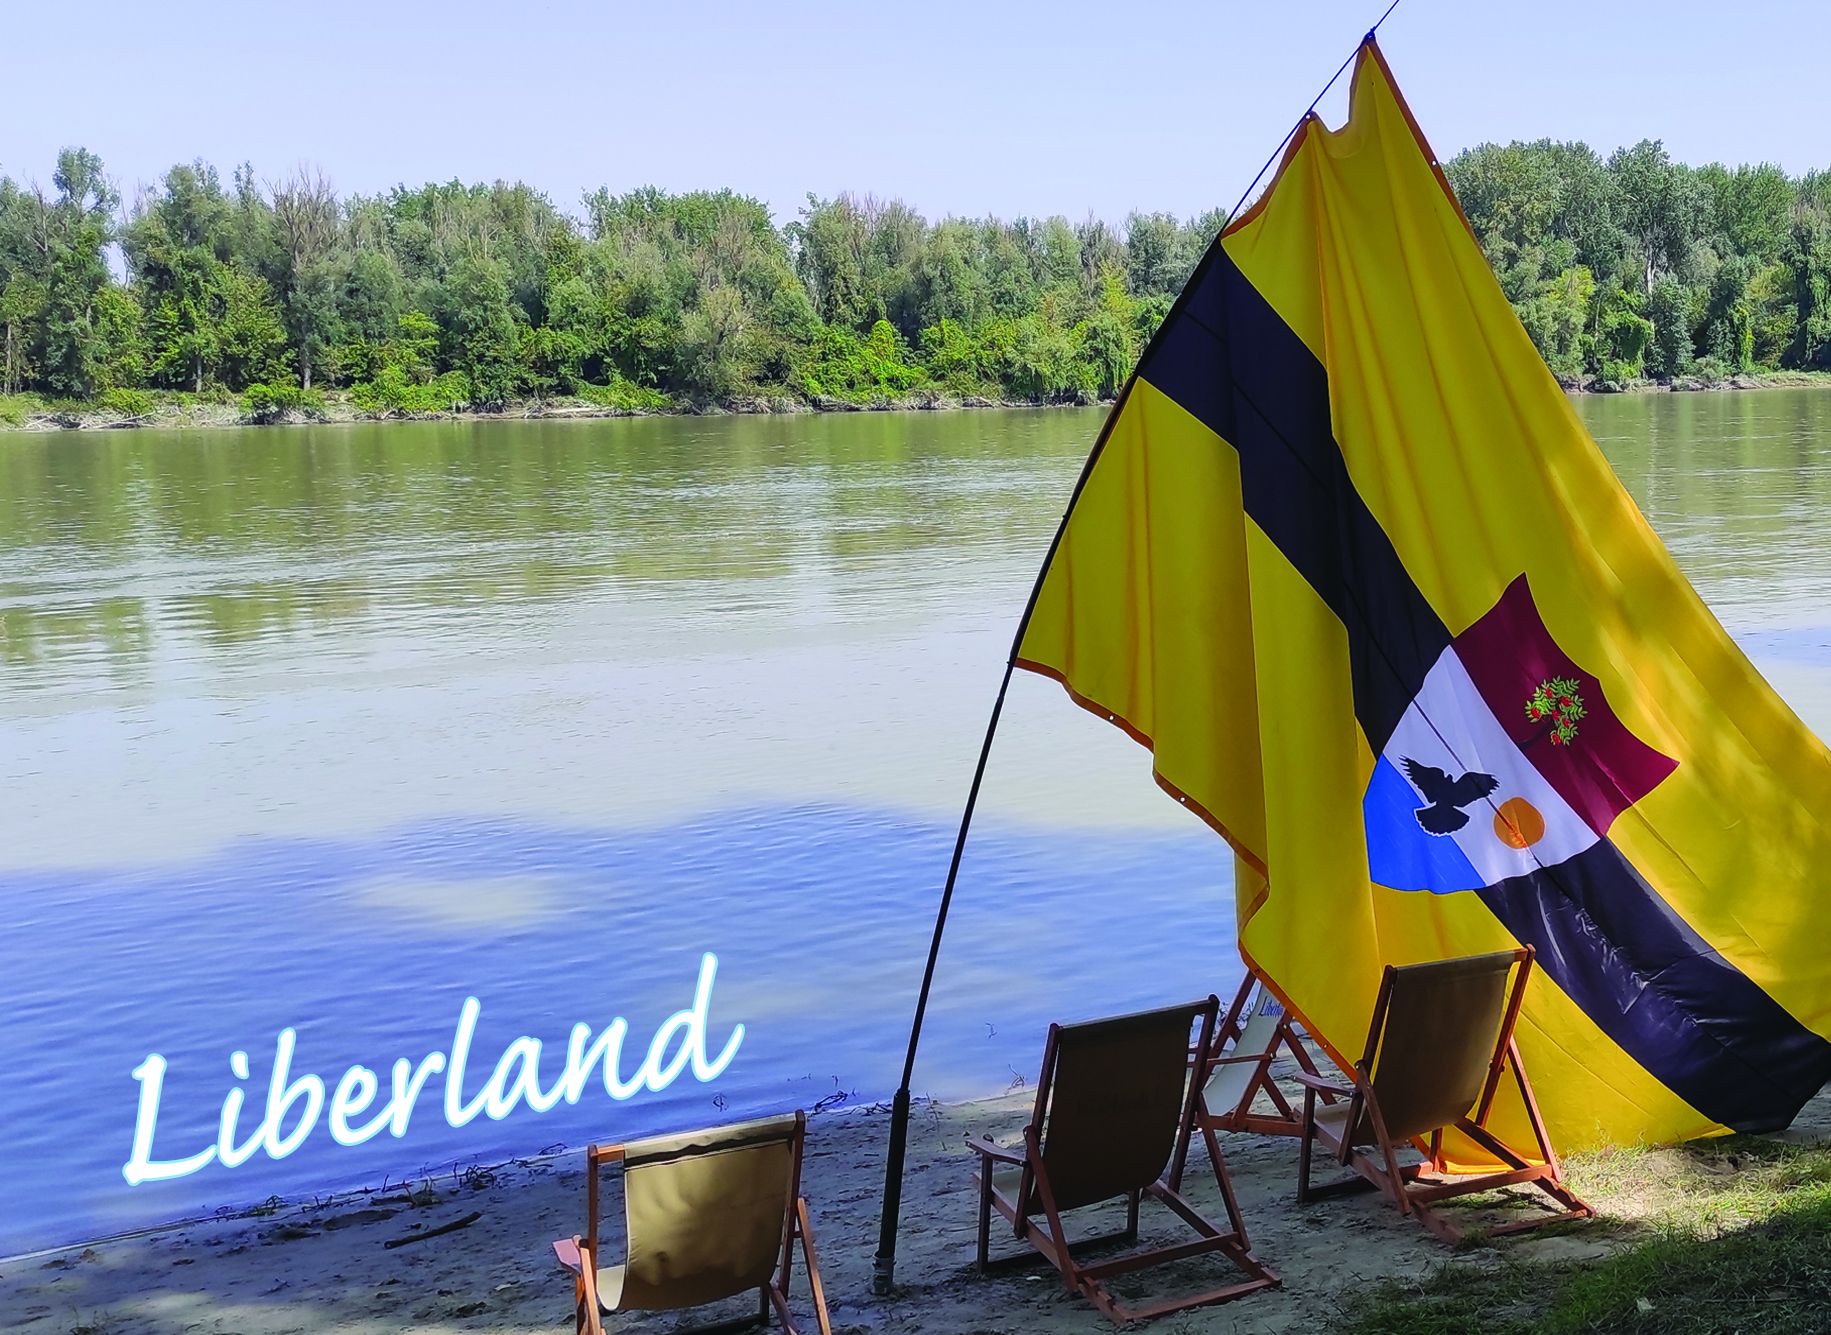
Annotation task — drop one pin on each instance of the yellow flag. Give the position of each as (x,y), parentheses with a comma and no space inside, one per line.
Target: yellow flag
(1347,562)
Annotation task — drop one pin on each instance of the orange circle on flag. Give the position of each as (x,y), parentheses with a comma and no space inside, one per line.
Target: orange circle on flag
(1518,823)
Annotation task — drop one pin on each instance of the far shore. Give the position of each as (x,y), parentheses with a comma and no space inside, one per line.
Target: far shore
(187,413)
(339,411)
(485,1262)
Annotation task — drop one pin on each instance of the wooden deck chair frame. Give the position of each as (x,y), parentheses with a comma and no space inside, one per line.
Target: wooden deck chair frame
(1239,1044)
(797,1230)
(1248,1040)
(1036,1187)
(1361,1140)
(1237,1115)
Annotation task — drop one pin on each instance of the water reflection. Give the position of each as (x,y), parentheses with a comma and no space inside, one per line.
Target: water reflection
(1738,486)
(206,541)
(368,947)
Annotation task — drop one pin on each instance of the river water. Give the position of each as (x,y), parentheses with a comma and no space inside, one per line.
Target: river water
(331,728)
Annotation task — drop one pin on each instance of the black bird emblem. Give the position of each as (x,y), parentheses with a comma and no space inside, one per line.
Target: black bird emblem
(1446,795)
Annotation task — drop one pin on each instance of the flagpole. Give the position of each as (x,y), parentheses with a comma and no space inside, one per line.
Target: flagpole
(883,1265)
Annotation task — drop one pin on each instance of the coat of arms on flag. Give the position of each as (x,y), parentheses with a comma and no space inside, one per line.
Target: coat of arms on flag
(1507,761)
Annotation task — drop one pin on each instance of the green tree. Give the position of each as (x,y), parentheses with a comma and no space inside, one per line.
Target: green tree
(76,226)
(177,245)
(1669,310)
(251,339)
(309,272)
(368,312)
(1749,209)
(445,293)
(1108,340)
(1558,321)
(1728,329)
(479,332)
(954,358)
(1775,313)
(1660,206)
(950,286)
(1101,249)
(119,360)
(1043,361)
(1539,210)
(573,344)
(717,346)
(829,243)
(1150,254)
(22,301)
(1806,256)
(1509,194)
(1624,337)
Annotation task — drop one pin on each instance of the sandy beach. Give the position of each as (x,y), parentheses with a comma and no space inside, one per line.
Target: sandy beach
(327,1267)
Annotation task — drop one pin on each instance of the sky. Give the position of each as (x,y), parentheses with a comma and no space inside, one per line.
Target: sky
(956,108)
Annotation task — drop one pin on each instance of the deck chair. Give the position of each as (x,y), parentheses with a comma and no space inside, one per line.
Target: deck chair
(710,1215)
(1111,1105)
(1250,1036)
(1440,1037)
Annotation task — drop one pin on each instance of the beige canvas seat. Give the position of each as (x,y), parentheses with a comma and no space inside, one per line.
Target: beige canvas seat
(1112,1103)
(1253,1032)
(1439,1043)
(1251,1035)
(710,1215)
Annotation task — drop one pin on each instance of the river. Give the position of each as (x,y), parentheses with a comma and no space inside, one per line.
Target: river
(332,728)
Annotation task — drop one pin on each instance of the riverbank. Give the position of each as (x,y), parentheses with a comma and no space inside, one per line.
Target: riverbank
(174,410)
(177,411)
(1692,384)
(1351,1263)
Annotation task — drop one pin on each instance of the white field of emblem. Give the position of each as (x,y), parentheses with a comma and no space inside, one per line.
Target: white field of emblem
(1522,824)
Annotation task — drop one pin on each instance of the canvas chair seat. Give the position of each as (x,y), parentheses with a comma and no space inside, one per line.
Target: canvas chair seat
(1252,1034)
(1333,1118)
(1113,1106)
(610,1286)
(1440,1040)
(1230,1083)
(709,1215)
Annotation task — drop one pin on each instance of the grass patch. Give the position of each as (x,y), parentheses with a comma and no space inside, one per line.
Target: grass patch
(624,396)
(1725,1235)
(15,408)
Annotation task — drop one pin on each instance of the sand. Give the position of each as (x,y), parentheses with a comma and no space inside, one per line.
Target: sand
(324,1267)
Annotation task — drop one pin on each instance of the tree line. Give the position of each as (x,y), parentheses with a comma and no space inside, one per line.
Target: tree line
(422,299)
(1641,267)
(450,295)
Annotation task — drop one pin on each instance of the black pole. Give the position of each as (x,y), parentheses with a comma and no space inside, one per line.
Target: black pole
(883,1266)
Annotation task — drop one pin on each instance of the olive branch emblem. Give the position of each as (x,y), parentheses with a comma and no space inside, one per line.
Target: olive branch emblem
(1557,701)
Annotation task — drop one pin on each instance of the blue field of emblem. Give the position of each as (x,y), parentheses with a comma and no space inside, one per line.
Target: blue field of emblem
(1400,853)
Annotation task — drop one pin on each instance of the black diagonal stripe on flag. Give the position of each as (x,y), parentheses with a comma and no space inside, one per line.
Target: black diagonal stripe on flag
(1642,975)
(1234,364)
(1583,914)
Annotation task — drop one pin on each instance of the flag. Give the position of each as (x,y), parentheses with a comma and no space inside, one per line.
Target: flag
(1347,562)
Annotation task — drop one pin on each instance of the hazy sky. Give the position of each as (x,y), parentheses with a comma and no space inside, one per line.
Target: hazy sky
(966,108)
